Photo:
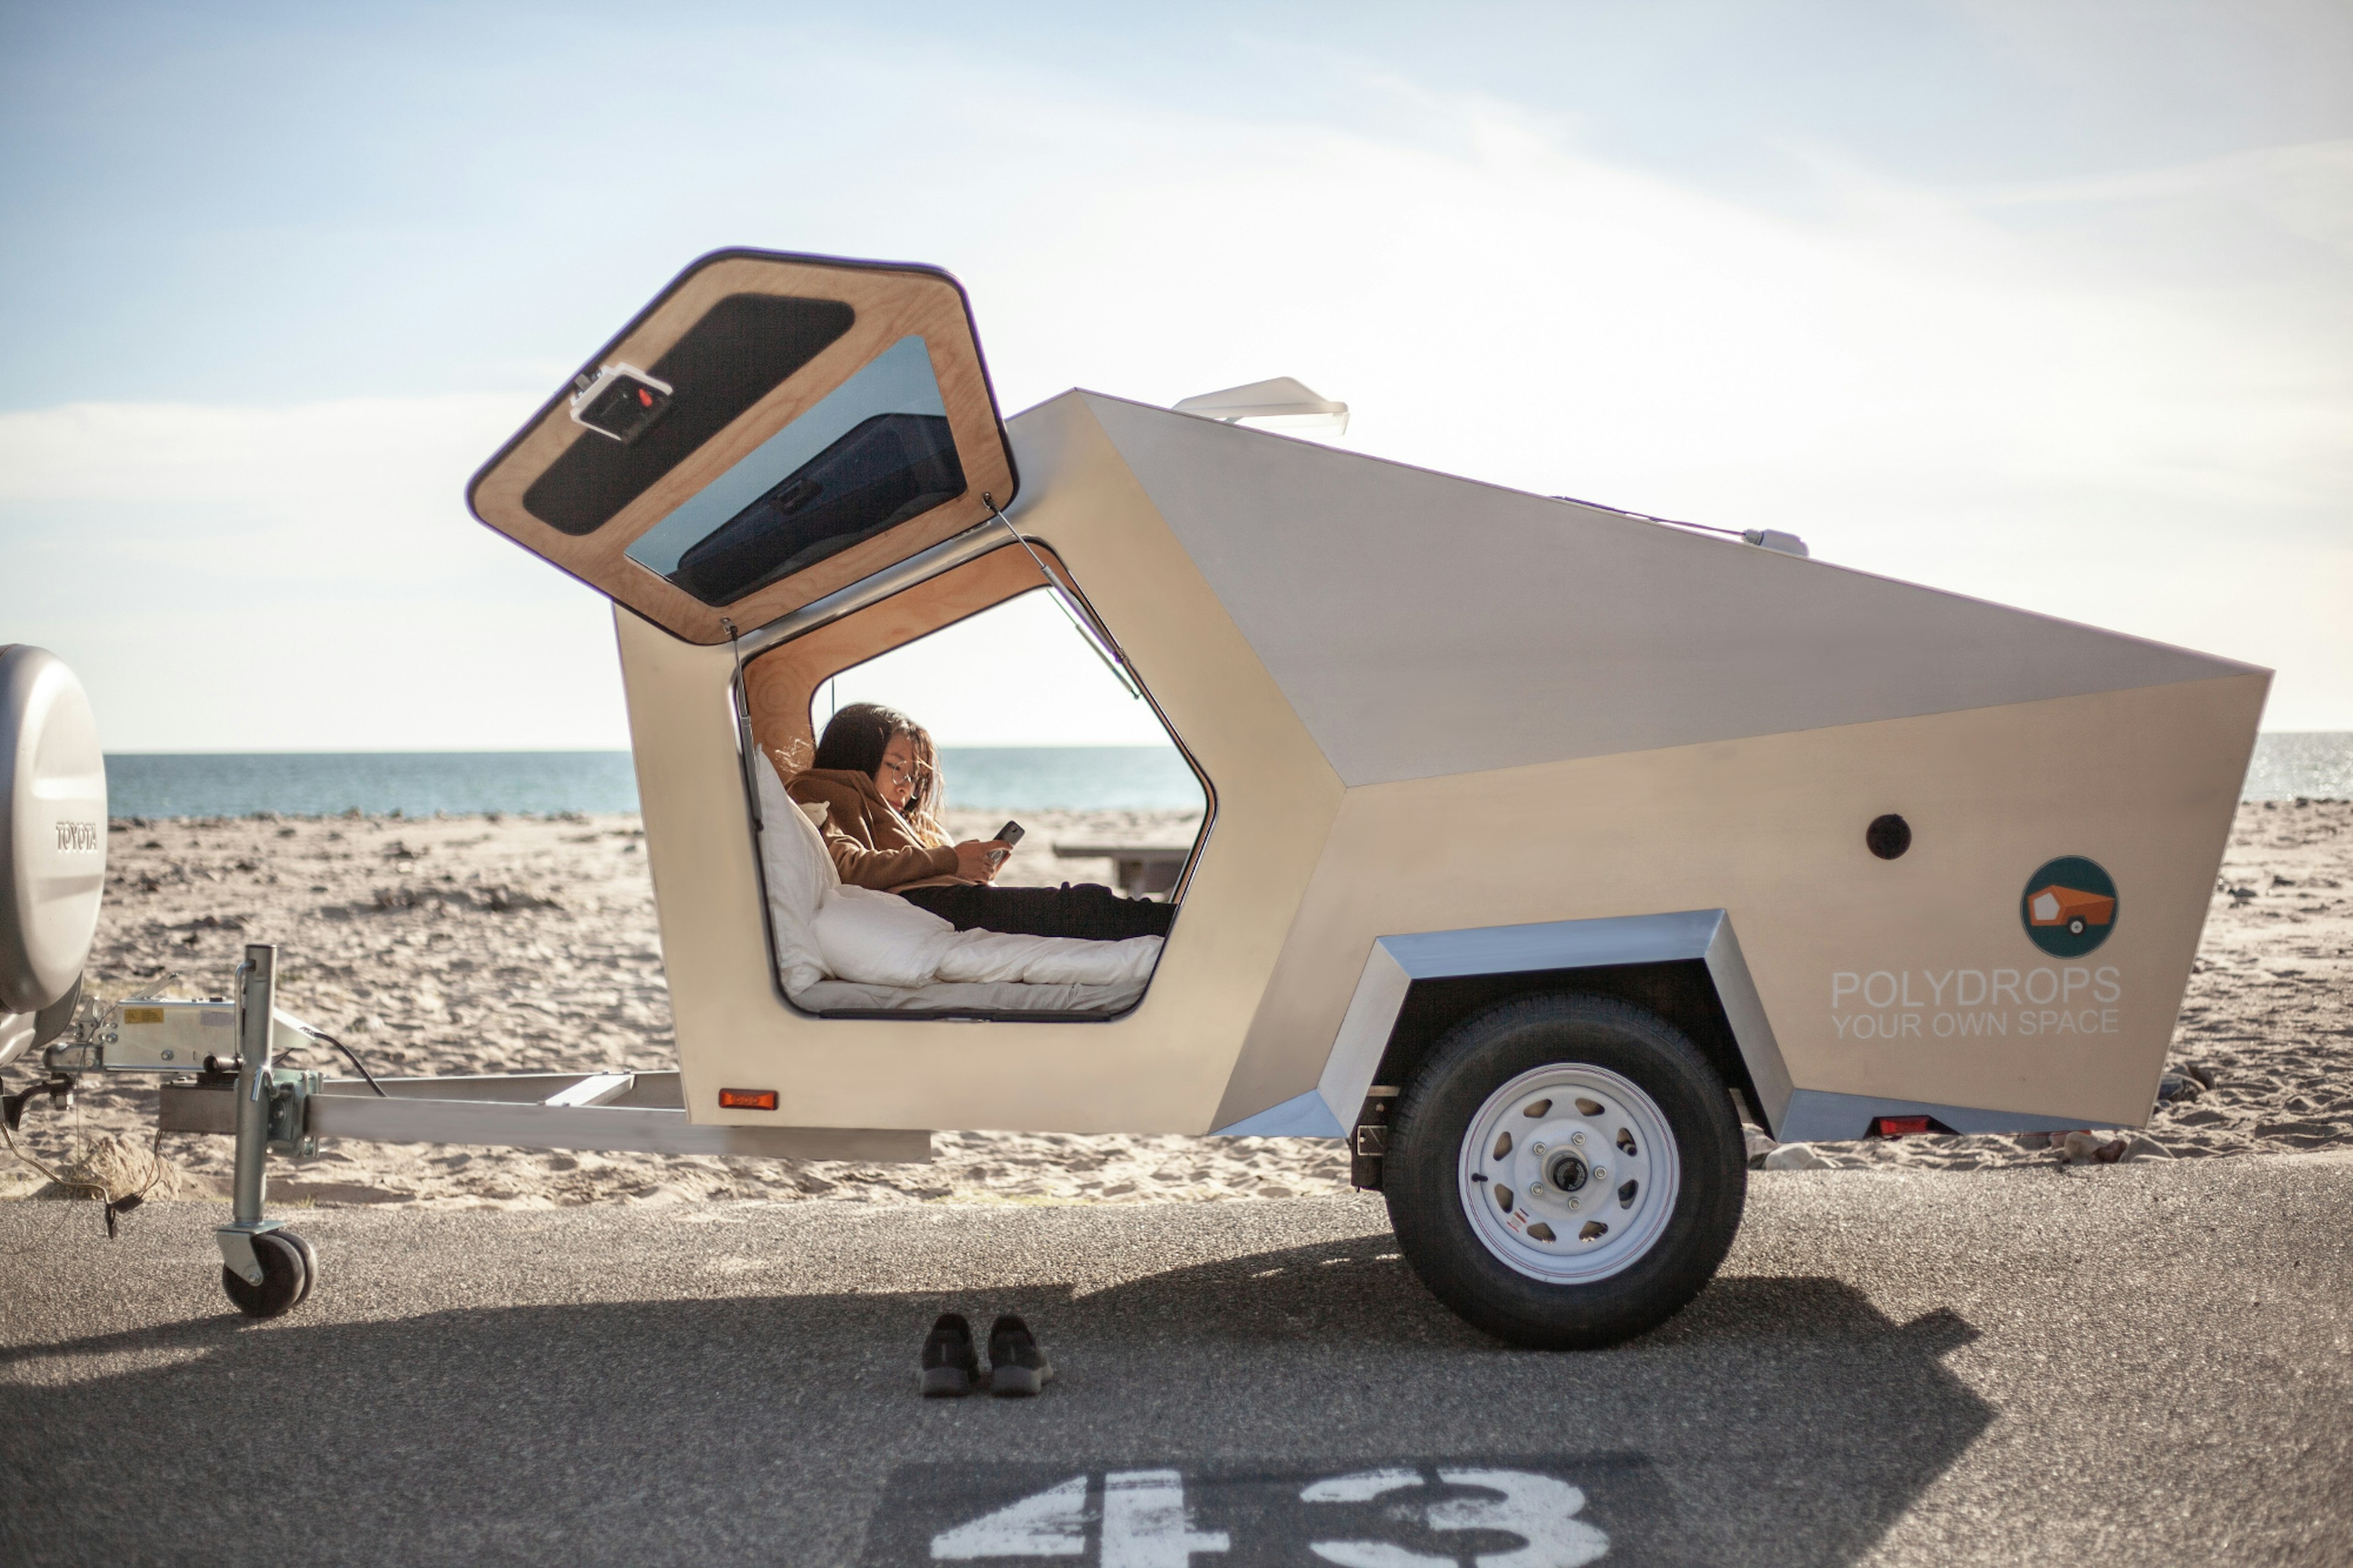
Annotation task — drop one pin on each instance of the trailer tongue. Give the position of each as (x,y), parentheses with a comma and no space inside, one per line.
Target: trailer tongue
(233,1047)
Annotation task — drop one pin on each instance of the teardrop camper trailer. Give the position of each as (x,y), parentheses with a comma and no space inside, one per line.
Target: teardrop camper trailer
(1544,841)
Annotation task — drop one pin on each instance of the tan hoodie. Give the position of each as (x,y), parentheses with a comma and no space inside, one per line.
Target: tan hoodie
(872,846)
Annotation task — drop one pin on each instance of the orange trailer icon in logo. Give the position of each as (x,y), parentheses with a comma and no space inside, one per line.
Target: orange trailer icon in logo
(2070,907)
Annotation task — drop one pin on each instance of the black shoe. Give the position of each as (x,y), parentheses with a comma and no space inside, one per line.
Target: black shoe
(1018,1369)
(949,1366)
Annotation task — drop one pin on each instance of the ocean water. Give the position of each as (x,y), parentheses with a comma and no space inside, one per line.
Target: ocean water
(2315,764)
(1006,778)
(413,784)
(418,783)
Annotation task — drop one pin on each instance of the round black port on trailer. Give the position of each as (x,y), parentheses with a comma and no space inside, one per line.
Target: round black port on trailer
(1888,836)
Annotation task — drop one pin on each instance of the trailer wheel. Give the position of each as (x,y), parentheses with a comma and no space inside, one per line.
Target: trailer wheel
(285,1276)
(1566,1172)
(309,1264)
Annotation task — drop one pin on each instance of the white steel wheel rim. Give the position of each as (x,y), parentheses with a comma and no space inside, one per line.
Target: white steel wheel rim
(1520,1183)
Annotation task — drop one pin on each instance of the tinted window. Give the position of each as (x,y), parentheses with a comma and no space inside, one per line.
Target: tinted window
(875,452)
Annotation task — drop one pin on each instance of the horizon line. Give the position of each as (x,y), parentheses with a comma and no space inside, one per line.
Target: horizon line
(627,751)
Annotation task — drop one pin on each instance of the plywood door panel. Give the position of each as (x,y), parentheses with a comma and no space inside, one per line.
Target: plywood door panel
(889,304)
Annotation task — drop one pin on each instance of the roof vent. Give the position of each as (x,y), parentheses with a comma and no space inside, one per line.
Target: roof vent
(1774,539)
(1282,404)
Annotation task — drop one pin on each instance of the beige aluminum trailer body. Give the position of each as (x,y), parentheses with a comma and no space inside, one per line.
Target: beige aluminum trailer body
(1540,835)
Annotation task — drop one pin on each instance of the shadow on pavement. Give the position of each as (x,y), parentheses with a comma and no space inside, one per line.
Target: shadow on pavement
(1780,1420)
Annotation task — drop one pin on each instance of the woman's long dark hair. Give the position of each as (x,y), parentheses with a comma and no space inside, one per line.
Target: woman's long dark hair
(854,741)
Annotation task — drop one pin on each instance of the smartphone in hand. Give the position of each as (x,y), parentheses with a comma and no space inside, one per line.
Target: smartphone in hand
(1009,835)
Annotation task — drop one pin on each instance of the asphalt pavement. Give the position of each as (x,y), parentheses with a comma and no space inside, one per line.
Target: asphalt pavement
(2148,1363)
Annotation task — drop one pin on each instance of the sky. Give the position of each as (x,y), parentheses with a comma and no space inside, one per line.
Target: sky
(2048,303)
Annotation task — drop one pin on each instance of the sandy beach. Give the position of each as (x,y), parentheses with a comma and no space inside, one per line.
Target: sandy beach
(487,944)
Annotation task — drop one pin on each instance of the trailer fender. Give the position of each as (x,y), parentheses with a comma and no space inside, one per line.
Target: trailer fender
(1686,965)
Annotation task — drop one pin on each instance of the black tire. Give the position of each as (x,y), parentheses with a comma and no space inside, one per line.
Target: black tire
(57,1017)
(1422,1181)
(310,1263)
(285,1279)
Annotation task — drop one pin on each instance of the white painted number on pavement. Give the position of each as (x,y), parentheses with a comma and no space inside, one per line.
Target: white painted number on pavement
(1145,1524)
(1051,1524)
(1540,1510)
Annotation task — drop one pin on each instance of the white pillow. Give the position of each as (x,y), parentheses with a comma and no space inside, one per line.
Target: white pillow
(881,939)
(800,876)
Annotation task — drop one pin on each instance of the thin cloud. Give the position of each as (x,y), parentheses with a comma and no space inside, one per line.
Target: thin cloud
(2123,399)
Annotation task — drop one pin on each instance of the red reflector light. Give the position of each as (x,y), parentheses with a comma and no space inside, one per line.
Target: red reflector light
(1897,1126)
(747,1100)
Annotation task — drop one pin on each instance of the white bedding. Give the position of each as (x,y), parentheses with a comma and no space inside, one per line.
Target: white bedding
(1003,996)
(828,934)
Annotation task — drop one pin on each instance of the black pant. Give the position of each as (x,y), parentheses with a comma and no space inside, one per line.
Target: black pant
(1095,913)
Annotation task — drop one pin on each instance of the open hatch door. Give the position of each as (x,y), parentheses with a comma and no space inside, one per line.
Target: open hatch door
(771,428)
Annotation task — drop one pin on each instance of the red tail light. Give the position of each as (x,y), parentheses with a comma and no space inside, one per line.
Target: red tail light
(747,1100)
(1898,1126)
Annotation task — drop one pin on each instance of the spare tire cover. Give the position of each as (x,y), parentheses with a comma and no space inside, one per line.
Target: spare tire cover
(52,828)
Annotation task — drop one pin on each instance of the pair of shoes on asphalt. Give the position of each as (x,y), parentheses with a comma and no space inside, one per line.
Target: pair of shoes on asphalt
(1018,1369)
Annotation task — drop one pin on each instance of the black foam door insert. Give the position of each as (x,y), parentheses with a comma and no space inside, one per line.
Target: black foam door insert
(744,347)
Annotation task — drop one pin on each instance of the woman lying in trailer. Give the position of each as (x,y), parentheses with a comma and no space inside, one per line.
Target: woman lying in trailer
(878,776)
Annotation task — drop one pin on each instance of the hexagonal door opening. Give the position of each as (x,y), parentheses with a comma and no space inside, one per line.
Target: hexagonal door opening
(914,913)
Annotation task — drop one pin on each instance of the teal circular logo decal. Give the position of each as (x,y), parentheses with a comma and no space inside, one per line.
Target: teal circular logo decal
(2069,906)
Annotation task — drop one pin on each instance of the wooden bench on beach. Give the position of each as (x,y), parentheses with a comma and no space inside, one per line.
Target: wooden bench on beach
(1142,870)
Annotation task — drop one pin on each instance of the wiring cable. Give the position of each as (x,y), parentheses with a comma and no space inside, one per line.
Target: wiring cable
(349,1054)
(115,1206)
(27,1157)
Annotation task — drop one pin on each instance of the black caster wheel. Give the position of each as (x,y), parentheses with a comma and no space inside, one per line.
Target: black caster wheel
(310,1263)
(285,1276)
